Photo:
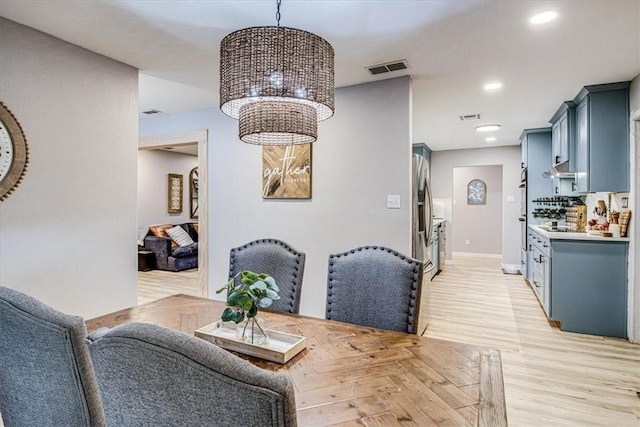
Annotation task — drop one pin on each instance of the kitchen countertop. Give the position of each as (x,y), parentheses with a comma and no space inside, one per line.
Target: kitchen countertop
(575,236)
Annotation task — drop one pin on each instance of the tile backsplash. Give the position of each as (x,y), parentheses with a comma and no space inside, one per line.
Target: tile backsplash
(616,203)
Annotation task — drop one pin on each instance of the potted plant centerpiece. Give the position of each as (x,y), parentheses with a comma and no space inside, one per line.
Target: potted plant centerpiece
(244,297)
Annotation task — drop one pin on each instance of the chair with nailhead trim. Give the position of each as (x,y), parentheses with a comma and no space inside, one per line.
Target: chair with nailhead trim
(375,286)
(278,259)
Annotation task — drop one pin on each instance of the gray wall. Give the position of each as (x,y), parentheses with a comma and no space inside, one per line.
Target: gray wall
(68,232)
(481,225)
(362,155)
(153,167)
(442,165)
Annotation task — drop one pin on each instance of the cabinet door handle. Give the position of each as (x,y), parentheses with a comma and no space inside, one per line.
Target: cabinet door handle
(557,159)
(573,186)
(544,245)
(557,190)
(536,284)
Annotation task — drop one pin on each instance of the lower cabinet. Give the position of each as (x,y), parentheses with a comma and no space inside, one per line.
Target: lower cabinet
(589,286)
(541,270)
(581,284)
(435,251)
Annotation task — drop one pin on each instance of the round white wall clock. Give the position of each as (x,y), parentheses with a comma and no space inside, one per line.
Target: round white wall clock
(13,152)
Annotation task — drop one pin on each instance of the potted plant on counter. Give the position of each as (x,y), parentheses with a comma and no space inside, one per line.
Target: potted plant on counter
(244,297)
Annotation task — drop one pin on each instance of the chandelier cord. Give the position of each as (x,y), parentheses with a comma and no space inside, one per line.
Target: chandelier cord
(278,2)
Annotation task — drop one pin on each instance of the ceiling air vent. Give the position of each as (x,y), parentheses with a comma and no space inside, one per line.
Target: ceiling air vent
(152,112)
(468,117)
(388,67)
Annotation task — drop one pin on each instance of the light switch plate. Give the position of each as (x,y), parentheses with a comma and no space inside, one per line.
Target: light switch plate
(393,201)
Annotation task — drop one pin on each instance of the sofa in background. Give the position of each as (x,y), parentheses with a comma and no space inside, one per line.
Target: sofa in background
(169,255)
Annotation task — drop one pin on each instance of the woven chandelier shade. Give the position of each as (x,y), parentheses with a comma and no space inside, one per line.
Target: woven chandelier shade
(262,123)
(278,82)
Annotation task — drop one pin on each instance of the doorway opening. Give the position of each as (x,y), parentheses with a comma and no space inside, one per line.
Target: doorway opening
(183,158)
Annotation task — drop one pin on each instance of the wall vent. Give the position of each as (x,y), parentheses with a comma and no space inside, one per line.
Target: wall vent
(468,117)
(152,112)
(388,67)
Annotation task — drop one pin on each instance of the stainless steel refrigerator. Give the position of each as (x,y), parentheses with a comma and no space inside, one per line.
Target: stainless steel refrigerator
(422,212)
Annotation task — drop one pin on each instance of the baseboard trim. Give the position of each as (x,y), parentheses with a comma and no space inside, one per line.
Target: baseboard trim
(477,255)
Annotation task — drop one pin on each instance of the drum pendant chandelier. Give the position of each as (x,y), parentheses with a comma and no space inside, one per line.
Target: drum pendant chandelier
(278,82)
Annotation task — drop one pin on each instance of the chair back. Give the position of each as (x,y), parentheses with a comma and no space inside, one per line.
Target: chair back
(150,375)
(46,375)
(276,258)
(375,286)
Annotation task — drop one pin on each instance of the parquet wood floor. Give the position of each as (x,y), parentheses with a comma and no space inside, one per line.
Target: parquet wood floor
(354,375)
(551,377)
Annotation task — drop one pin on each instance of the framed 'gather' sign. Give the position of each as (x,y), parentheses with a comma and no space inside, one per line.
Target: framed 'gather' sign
(286,171)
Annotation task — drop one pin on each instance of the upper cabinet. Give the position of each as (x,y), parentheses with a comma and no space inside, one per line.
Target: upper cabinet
(563,135)
(602,138)
(563,149)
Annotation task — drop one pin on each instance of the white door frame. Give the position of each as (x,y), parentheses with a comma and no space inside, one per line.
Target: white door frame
(202,138)
(633,324)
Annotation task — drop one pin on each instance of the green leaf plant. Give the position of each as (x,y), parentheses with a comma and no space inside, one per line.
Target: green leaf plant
(244,297)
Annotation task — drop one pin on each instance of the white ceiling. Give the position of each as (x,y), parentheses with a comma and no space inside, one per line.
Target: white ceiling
(453,48)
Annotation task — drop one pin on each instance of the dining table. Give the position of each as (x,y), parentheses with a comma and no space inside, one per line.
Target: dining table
(357,375)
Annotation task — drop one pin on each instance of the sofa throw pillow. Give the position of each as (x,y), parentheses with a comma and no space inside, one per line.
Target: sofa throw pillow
(142,233)
(180,236)
(161,231)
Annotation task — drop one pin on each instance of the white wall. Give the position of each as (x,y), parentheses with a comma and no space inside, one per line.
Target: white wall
(480,225)
(66,229)
(153,167)
(442,165)
(363,153)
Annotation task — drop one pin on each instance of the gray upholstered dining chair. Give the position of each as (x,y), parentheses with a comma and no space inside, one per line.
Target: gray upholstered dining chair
(46,375)
(276,258)
(150,375)
(375,286)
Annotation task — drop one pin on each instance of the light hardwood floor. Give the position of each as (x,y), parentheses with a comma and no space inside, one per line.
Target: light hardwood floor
(156,284)
(551,378)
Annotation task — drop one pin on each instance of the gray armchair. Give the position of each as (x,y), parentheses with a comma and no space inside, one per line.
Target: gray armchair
(46,375)
(150,375)
(375,286)
(276,258)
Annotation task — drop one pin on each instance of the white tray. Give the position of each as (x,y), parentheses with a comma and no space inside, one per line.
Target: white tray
(280,347)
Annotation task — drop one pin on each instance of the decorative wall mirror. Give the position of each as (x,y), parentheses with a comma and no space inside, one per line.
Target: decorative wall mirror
(193,192)
(476,192)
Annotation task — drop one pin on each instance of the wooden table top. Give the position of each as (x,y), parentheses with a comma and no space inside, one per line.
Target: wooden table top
(355,375)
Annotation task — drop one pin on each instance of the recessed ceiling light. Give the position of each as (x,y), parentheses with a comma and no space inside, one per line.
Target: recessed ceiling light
(492,86)
(543,18)
(490,139)
(487,128)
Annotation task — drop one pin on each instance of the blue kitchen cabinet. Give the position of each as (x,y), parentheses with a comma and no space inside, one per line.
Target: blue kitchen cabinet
(563,151)
(536,153)
(435,250)
(589,286)
(602,138)
(537,145)
(563,135)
